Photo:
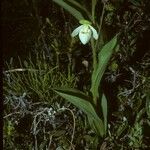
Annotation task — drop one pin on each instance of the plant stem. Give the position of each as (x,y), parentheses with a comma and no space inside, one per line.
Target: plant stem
(95,46)
(93,10)
(94,54)
(102,16)
(94,67)
(100,25)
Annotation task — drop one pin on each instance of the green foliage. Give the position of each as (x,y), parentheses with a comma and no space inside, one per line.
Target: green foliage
(75,98)
(103,59)
(34,79)
(104,111)
(70,9)
(9,129)
(136,136)
(98,71)
(82,101)
(37,80)
(37,118)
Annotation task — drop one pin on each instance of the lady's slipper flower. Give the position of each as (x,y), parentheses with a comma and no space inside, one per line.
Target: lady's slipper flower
(85,32)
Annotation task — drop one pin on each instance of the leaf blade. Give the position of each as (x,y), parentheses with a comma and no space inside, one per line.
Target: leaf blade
(82,101)
(103,59)
(70,9)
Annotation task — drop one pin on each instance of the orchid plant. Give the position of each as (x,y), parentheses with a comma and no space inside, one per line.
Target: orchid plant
(95,104)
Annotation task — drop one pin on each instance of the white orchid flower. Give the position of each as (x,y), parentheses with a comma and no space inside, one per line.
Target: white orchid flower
(85,31)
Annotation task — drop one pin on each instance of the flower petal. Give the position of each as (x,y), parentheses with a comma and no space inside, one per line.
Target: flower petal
(84,37)
(76,31)
(94,32)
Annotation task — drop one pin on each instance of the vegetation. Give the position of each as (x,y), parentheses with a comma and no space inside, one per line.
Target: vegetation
(65,94)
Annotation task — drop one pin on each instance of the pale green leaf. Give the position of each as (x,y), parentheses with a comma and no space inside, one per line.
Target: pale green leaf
(70,9)
(96,126)
(103,59)
(82,101)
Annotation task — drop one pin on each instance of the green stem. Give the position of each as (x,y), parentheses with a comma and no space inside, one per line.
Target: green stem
(94,46)
(94,55)
(100,25)
(93,10)
(94,67)
(102,16)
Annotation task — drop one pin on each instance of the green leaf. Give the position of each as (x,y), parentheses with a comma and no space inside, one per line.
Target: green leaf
(77,4)
(104,110)
(103,59)
(148,104)
(82,101)
(80,6)
(95,125)
(70,9)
